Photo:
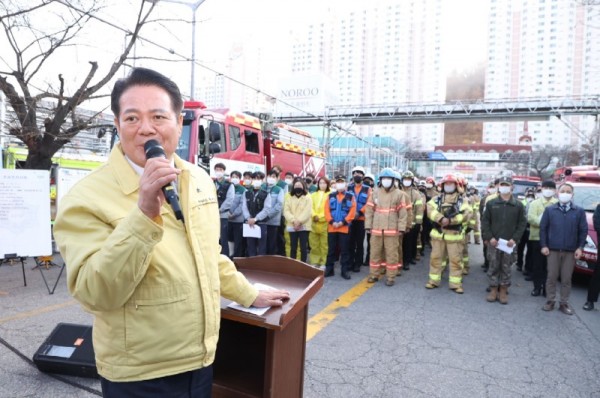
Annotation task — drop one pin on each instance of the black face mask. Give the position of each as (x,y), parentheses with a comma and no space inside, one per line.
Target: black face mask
(368,183)
(298,191)
(308,181)
(357,179)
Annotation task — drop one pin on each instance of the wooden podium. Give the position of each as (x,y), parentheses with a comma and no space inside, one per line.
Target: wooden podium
(264,356)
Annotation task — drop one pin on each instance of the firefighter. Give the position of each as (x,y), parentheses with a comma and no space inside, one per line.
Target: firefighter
(256,208)
(415,220)
(340,209)
(370,181)
(430,192)
(447,212)
(361,194)
(420,238)
(468,223)
(225,197)
(475,200)
(386,218)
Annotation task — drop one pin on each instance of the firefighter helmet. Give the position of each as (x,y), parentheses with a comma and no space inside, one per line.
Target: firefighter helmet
(369,175)
(449,178)
(430,180)
(408,174)
(358,169)
(421,183)
(387,172)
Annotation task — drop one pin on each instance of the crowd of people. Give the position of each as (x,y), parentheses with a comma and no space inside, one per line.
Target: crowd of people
(396,215)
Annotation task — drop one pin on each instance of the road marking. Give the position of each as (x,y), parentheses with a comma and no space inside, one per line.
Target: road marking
(319,321)
(37,311)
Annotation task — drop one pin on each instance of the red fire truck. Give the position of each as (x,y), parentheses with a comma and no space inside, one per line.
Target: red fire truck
(246,142)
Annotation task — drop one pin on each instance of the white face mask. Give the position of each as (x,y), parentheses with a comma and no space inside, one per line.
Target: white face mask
(219,174)
(247,182)
(449,188)
(407,183)
(340,186)
(256,183)
(289,181)
(492,191)
(428,186)
(271,180)
(548,193)
(538,195)
(504,190)
(565,197)
(386,182)
(235,180)
(529,199)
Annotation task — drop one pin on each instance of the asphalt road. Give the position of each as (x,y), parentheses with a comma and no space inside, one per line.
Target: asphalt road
(400,341)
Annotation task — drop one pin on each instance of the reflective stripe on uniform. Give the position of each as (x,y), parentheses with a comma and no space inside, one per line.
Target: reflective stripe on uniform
(386,232)
(435,278)
(455,279)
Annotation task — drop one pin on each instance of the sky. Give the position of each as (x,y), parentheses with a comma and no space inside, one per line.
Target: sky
(220,24)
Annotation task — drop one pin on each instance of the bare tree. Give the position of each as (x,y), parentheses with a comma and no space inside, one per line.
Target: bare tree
(545,160)
(31,48)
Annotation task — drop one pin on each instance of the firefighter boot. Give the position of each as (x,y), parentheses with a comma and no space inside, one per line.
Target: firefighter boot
(391,277)
(493,294)
(374,274)
(503,294)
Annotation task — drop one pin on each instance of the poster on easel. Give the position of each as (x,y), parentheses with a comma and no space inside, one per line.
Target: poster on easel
(25,213)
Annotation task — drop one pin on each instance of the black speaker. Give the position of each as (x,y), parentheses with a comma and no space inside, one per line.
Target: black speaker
(68,350)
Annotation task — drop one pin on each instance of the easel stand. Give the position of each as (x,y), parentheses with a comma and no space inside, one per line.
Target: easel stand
(12,259)
(46,262)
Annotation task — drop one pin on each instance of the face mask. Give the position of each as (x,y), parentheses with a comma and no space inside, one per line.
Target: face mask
(538,195)
(357,179)
(308,181)
(449,188)
(340,186)
(565,197)
(247,182)
(504,190)
(529,199)
(256,183)
(219,174)
(548,193)
(492,191)
(386,182)
(428,186)
(368,183)
(323,187)
(298,191)
(289,181)
(407,183)
(235,181)
(271,180)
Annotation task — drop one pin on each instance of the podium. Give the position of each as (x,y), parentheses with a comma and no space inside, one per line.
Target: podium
(264,356)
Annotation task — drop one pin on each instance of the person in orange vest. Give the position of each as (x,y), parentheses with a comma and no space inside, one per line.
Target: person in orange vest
(340,209)
(361,194)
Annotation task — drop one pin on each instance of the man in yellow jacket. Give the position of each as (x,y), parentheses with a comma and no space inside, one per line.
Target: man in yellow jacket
(152,281)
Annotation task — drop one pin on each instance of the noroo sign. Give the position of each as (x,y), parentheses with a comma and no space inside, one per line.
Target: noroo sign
(300,92)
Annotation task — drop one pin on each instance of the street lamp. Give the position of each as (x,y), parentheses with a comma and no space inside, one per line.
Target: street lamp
(193,7)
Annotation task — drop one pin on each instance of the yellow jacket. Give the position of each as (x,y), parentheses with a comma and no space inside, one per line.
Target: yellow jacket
(534,215)
(318,204)
(154,286)
(298,209)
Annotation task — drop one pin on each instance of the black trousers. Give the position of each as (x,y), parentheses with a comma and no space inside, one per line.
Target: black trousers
(357,243)
(237,234)
(539,265)
(594,287)
(193,384)
(426,232)
(280,238)
(272,239)
(224,238)
(521,248)
(333,240)
(409,245)
(301,236)
(366,259)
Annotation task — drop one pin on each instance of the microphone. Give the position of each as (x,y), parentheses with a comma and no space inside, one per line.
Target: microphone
(154,150)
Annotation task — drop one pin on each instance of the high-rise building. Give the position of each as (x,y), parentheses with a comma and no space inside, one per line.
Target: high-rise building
(379,52)
(542,49)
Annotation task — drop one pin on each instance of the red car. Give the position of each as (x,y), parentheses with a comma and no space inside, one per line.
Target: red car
(587,196)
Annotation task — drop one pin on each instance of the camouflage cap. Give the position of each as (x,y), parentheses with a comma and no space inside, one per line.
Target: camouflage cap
(505,180)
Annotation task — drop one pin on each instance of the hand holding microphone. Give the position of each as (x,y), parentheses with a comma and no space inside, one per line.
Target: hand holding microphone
(158,176)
